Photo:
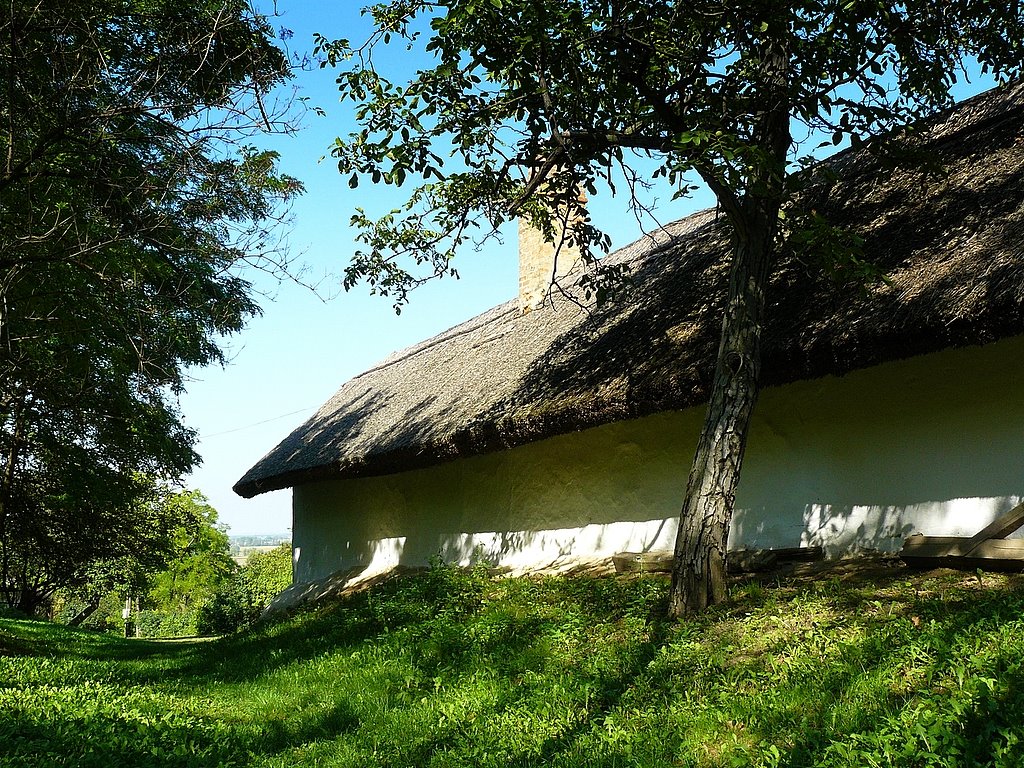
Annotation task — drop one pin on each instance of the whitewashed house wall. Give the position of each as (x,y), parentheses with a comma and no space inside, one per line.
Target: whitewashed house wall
(546,432)
(933,445)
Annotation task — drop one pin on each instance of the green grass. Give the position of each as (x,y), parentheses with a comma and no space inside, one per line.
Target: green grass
(449,668)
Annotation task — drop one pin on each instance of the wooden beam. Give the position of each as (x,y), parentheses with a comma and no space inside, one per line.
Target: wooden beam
(999,528)
(738,561)
(657,561)
(935,550)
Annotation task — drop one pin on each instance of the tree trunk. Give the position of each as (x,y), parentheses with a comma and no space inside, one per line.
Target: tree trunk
(29,600)
(90,608)
(698,573)
(698,569)
(7,473)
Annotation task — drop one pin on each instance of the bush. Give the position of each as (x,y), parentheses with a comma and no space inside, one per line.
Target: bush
(167,624)
(229,611)
(240,602)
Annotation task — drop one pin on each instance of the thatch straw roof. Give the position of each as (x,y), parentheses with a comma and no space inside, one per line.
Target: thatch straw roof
(950,244)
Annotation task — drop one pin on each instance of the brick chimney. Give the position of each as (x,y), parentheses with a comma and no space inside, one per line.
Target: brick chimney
(542,264)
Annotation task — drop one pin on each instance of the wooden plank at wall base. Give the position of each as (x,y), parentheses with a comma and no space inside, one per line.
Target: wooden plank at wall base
(999,528)
(643,562)
(739,561)
(986,549)
(937,550)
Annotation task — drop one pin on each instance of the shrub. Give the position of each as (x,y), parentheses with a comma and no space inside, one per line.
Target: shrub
(152,623)
(243,598)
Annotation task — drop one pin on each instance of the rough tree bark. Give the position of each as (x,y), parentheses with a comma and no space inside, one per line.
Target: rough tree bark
(7,472)
(701,542)
(698,573)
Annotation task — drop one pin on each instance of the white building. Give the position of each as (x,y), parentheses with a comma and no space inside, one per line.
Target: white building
(565,433)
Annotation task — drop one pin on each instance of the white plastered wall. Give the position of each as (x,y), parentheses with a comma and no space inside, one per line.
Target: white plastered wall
(933,444)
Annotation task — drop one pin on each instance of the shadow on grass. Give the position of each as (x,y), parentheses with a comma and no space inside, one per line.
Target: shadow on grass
(395,604)
(161,741)
(930,680)
(409,604)
(574,673)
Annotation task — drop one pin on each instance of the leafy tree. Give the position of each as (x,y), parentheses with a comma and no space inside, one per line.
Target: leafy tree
(201,562)
(241,600)
(129,200)
(175,557)
(268,573)
(535,100)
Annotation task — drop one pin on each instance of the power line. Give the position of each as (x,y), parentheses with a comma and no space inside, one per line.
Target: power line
(259,423)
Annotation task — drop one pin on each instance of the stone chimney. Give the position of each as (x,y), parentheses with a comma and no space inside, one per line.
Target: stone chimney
(542,264)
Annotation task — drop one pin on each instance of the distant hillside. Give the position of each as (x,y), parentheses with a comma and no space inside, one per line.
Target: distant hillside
(243,545)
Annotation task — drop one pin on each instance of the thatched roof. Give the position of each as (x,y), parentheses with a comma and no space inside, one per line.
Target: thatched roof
(950,244)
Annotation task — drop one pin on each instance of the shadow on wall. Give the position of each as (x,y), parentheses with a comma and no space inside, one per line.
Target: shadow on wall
(932,444)
(854,529)
(839,530)
(518,551)
(849,529)
(553,549)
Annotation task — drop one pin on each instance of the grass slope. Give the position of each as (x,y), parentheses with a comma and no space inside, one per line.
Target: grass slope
(450,668)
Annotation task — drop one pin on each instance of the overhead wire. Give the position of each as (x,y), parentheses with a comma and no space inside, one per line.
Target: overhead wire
(258,423)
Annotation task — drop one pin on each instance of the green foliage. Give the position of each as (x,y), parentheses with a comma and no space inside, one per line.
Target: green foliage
(148,536)
(528,102)
(200,563)
(153,623)
(450,668)
(129,200)
(171,569)
(240,600)
(267,573)
(198,567)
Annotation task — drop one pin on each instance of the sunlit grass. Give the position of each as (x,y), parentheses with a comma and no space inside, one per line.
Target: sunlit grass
(450,668)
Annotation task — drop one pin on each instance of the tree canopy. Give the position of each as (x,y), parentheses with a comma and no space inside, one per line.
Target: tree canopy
(130,194)
(200,559)
(167,552)
(527,102)
(525,97)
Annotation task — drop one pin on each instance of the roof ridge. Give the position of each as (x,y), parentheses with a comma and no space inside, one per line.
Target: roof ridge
(466,326)
(670,231)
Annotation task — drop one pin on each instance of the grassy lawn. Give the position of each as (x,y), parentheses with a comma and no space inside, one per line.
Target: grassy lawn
(449,668)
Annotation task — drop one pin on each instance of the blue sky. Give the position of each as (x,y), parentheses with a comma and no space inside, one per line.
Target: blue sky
(291,359)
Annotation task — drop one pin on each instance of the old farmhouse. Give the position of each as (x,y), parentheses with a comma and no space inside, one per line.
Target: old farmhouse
(543,436)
